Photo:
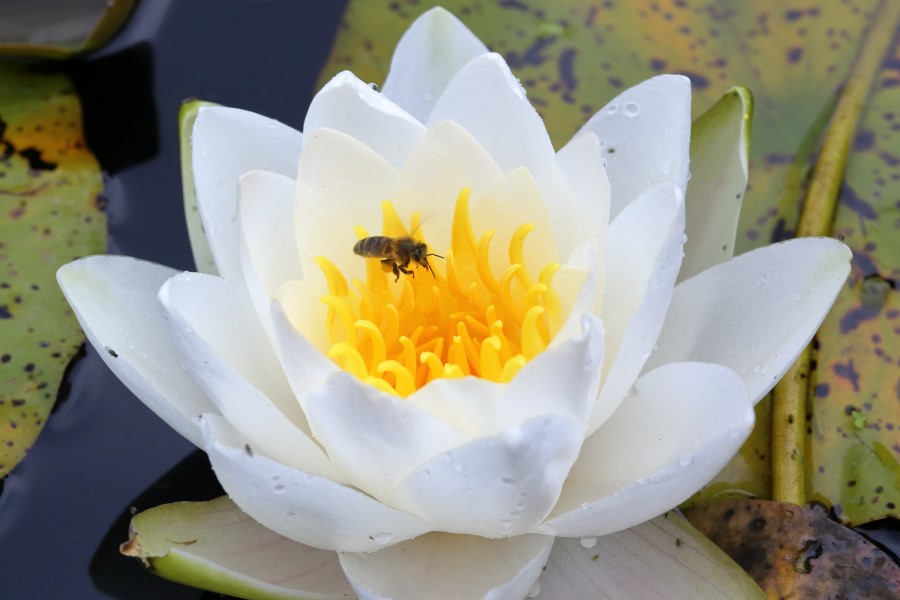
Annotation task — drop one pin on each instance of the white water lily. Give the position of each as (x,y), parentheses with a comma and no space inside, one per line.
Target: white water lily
(549,379)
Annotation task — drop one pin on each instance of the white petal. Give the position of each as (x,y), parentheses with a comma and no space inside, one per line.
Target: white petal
(462,403)
(353,107)
(114,299)
(449,566)
(645,132)
(677,429)
(374,437)
(430,52)
(719,141)
(561,380)
(496,486)
(577,190)
(226,143)
(203,258)
(756,312)
(644,253)
(444,162)
(301,506)
(341,184)
(268,246)
(306,366)
(486,99)
(224,348)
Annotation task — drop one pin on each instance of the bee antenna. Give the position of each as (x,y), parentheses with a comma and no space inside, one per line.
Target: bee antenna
(433,254)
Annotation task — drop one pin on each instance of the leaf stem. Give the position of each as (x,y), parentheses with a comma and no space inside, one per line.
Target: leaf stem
(791,394)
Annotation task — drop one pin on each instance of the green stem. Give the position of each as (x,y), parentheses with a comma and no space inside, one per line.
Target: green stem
(791,394)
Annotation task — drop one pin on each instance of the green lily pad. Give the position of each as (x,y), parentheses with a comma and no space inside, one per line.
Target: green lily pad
(50,214)
(574,55)
(215,546)
(665,558)
(61,28)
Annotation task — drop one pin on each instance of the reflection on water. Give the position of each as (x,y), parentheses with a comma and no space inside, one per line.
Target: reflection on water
(102,449)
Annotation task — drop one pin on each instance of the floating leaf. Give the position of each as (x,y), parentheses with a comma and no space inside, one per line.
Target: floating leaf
(50,213)
(794,552)
(215,546)
(62,29)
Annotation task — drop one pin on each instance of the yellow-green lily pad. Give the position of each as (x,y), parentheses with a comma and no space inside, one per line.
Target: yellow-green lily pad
(50,213)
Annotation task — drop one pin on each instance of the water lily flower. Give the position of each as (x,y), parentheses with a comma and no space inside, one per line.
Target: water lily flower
(547,375)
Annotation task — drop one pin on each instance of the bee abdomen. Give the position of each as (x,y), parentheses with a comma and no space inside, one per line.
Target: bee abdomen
(372,246)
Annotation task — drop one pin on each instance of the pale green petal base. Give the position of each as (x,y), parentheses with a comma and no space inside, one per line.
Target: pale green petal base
(662,559)
(203,257)
(214,546)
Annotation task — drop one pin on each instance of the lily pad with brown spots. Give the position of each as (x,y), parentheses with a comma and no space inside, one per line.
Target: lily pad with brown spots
(50,214)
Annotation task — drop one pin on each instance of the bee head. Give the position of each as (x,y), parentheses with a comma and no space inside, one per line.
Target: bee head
(420,254)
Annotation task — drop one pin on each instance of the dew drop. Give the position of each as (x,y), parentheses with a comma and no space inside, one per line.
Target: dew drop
(585,506)
(632,109)
(382,538)
(508,480)
(535,590)
(278,488)
(762,278)
(643,481)
(686,460)
(589,541)
(612,109)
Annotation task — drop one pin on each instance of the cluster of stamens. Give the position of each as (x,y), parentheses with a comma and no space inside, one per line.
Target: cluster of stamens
(462,320)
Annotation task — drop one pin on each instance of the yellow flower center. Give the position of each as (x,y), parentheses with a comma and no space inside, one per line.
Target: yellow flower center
(464,319)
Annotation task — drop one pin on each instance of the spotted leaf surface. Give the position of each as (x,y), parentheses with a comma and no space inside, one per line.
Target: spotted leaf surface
(50,214)
(855,424)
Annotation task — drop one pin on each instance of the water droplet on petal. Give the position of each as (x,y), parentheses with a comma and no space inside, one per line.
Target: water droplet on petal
(589,541)
(535,590)
(508,480)
(382,538)
(278,488)
(632,109)
(686,460)
(612,109)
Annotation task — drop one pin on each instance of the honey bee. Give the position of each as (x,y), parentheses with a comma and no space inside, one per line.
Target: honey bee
(396,253)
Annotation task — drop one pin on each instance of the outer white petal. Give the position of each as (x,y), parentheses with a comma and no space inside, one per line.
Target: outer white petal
(114,299)
(353,107)
(677,429)
(488,101)
(577,192)
(340,185)
(496,486)
(645,132)
(756,312)
(222,345)
(226,143)
(301,506)
(268,246)
(441,565)
(644,252)
(444,162)
(374,437)
(430,52)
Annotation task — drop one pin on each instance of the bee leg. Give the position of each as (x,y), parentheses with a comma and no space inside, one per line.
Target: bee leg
(395,268)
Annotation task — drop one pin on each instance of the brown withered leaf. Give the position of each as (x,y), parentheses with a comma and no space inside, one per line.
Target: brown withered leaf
(797,552)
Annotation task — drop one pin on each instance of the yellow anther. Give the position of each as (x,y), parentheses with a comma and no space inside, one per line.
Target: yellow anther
(393,226)
(434,364)
(551,299)
(349,359)
(390,325)
(408,354)
(512,367)
(360,232)
(472,352)
(462,236)
(532,343)
(405,384)
(517,256)
(491,368)
(377,352)
(337,285)
(340,308)
(369,306)
(506,292)
(381,384)
(456,354)
(483,263)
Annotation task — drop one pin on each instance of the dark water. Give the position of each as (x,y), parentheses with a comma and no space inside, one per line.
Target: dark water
(65,509)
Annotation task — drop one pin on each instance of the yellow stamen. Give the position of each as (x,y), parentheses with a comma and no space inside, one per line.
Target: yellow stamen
(459,321)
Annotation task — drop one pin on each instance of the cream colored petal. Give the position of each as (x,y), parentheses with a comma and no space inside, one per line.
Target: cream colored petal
(341,184)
